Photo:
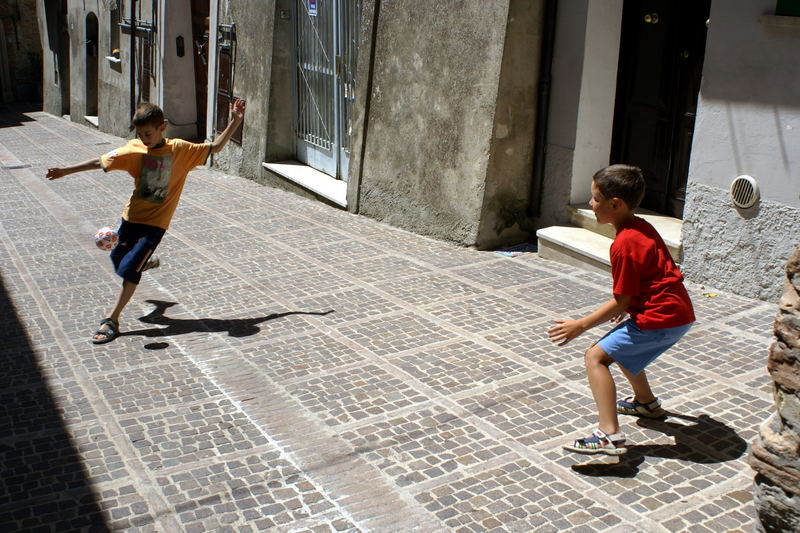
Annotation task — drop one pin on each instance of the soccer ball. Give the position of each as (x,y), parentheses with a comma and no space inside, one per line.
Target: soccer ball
(106,238)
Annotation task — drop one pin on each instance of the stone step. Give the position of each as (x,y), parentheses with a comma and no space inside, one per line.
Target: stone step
(668,227)
(575,246)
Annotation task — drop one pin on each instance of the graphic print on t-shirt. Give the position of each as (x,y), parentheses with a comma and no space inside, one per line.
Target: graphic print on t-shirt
(154,181)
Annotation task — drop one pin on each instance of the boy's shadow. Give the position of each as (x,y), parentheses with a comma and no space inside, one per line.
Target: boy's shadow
(236,327)
(706,441)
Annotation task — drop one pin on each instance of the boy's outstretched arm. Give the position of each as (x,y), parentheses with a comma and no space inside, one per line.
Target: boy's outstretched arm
(237,115)
(59,172)
(566,330)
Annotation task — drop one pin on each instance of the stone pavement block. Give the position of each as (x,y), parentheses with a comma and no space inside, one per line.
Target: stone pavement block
(515,497)
(721,352)
(561,296)
(427,290)
(533,411)
(263,490)
(459,366)
(354,394)
(289,359)
(391,335)
(190,434)
(484,313)
(154,387)
(423,445)
(505,274)
(348,306)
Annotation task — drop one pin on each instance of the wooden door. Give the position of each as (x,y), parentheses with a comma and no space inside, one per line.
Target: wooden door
(660,66)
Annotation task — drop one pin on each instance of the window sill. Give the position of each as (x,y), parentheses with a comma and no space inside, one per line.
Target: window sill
(312,180)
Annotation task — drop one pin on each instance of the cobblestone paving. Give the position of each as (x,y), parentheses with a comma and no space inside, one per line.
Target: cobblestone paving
(293,367)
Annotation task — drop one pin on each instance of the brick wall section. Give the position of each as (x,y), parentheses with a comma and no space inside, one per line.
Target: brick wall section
(776,453)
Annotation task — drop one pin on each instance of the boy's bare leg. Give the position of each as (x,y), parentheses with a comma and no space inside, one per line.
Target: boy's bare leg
(124,297)
(641,387)
(603,388)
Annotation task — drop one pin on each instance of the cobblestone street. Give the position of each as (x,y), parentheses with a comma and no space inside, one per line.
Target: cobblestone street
(294,367)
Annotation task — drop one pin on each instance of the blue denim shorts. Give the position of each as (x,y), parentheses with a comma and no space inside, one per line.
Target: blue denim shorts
(634,348)
(136,245)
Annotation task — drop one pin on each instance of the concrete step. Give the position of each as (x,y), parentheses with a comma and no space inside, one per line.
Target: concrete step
(669,228)
(575,246)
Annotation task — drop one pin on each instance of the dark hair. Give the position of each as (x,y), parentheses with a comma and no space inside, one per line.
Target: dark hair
(625,182)
(147,114)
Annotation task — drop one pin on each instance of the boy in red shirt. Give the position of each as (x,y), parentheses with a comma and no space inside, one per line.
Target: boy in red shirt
(648,286)
(159,168)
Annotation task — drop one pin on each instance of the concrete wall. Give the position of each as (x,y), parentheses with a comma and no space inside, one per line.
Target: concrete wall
(748,123)
(22,60)
(582,103)
(435,87)
(176,77)
(503,218)
(54,37)
(255,23)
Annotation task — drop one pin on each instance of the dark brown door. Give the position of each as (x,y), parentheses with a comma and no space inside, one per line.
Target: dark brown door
(200,16)
(658,80)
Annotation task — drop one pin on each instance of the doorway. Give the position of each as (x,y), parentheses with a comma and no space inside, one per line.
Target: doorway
(200,23)
(326,48)
(92,66)
(658,82)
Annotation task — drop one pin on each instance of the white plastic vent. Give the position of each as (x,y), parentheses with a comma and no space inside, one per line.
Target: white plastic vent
(744,191)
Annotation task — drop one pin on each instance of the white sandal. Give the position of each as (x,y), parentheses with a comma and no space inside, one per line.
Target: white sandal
(599,442)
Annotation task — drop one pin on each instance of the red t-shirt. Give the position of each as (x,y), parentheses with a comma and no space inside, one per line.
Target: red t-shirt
(642,268)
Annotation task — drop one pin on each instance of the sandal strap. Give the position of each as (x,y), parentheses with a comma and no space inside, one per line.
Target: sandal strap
(109,322)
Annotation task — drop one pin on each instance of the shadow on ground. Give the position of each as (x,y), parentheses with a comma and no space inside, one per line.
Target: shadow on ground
(43,484)
(235,327)
(705,441)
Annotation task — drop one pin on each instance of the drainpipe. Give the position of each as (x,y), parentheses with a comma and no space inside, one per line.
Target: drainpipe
(542,109)
(133,56)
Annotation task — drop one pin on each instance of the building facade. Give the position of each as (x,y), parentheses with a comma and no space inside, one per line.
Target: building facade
(465,121)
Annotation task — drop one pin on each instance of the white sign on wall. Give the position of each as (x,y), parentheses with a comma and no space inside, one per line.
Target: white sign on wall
(312,8)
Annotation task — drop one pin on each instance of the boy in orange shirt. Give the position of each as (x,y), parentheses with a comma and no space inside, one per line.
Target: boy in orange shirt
(159,167)
(648,286)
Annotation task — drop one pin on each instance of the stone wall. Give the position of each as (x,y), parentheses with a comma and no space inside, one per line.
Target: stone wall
(20,31)
(776,453)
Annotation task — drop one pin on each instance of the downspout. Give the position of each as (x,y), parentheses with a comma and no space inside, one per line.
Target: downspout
(542,109)
(133,56)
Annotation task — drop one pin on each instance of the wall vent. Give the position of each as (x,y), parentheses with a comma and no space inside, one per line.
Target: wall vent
(744,191)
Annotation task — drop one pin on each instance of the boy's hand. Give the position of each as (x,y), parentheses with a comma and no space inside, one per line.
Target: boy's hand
(619,318)
(565,330)
(237,109)
(55,173)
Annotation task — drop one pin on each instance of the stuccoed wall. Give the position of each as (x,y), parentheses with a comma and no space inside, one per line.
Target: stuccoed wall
(50,32)
(739,250)
(432,115)
(255,20)
(748,123)
(503,218)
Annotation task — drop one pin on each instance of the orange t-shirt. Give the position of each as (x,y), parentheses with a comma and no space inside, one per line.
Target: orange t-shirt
(159,175)
(643,269)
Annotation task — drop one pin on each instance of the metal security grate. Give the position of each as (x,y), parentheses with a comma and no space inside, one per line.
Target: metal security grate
(744,191)
(315,73)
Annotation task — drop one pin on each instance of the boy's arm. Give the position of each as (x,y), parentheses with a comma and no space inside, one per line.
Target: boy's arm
(237,112)
(59,172)
(566,330)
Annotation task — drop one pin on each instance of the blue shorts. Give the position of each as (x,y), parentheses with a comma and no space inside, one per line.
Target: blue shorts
(633,348)
(137,242)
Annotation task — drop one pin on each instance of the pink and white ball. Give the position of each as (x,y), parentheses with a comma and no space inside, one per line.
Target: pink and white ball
(106,238)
